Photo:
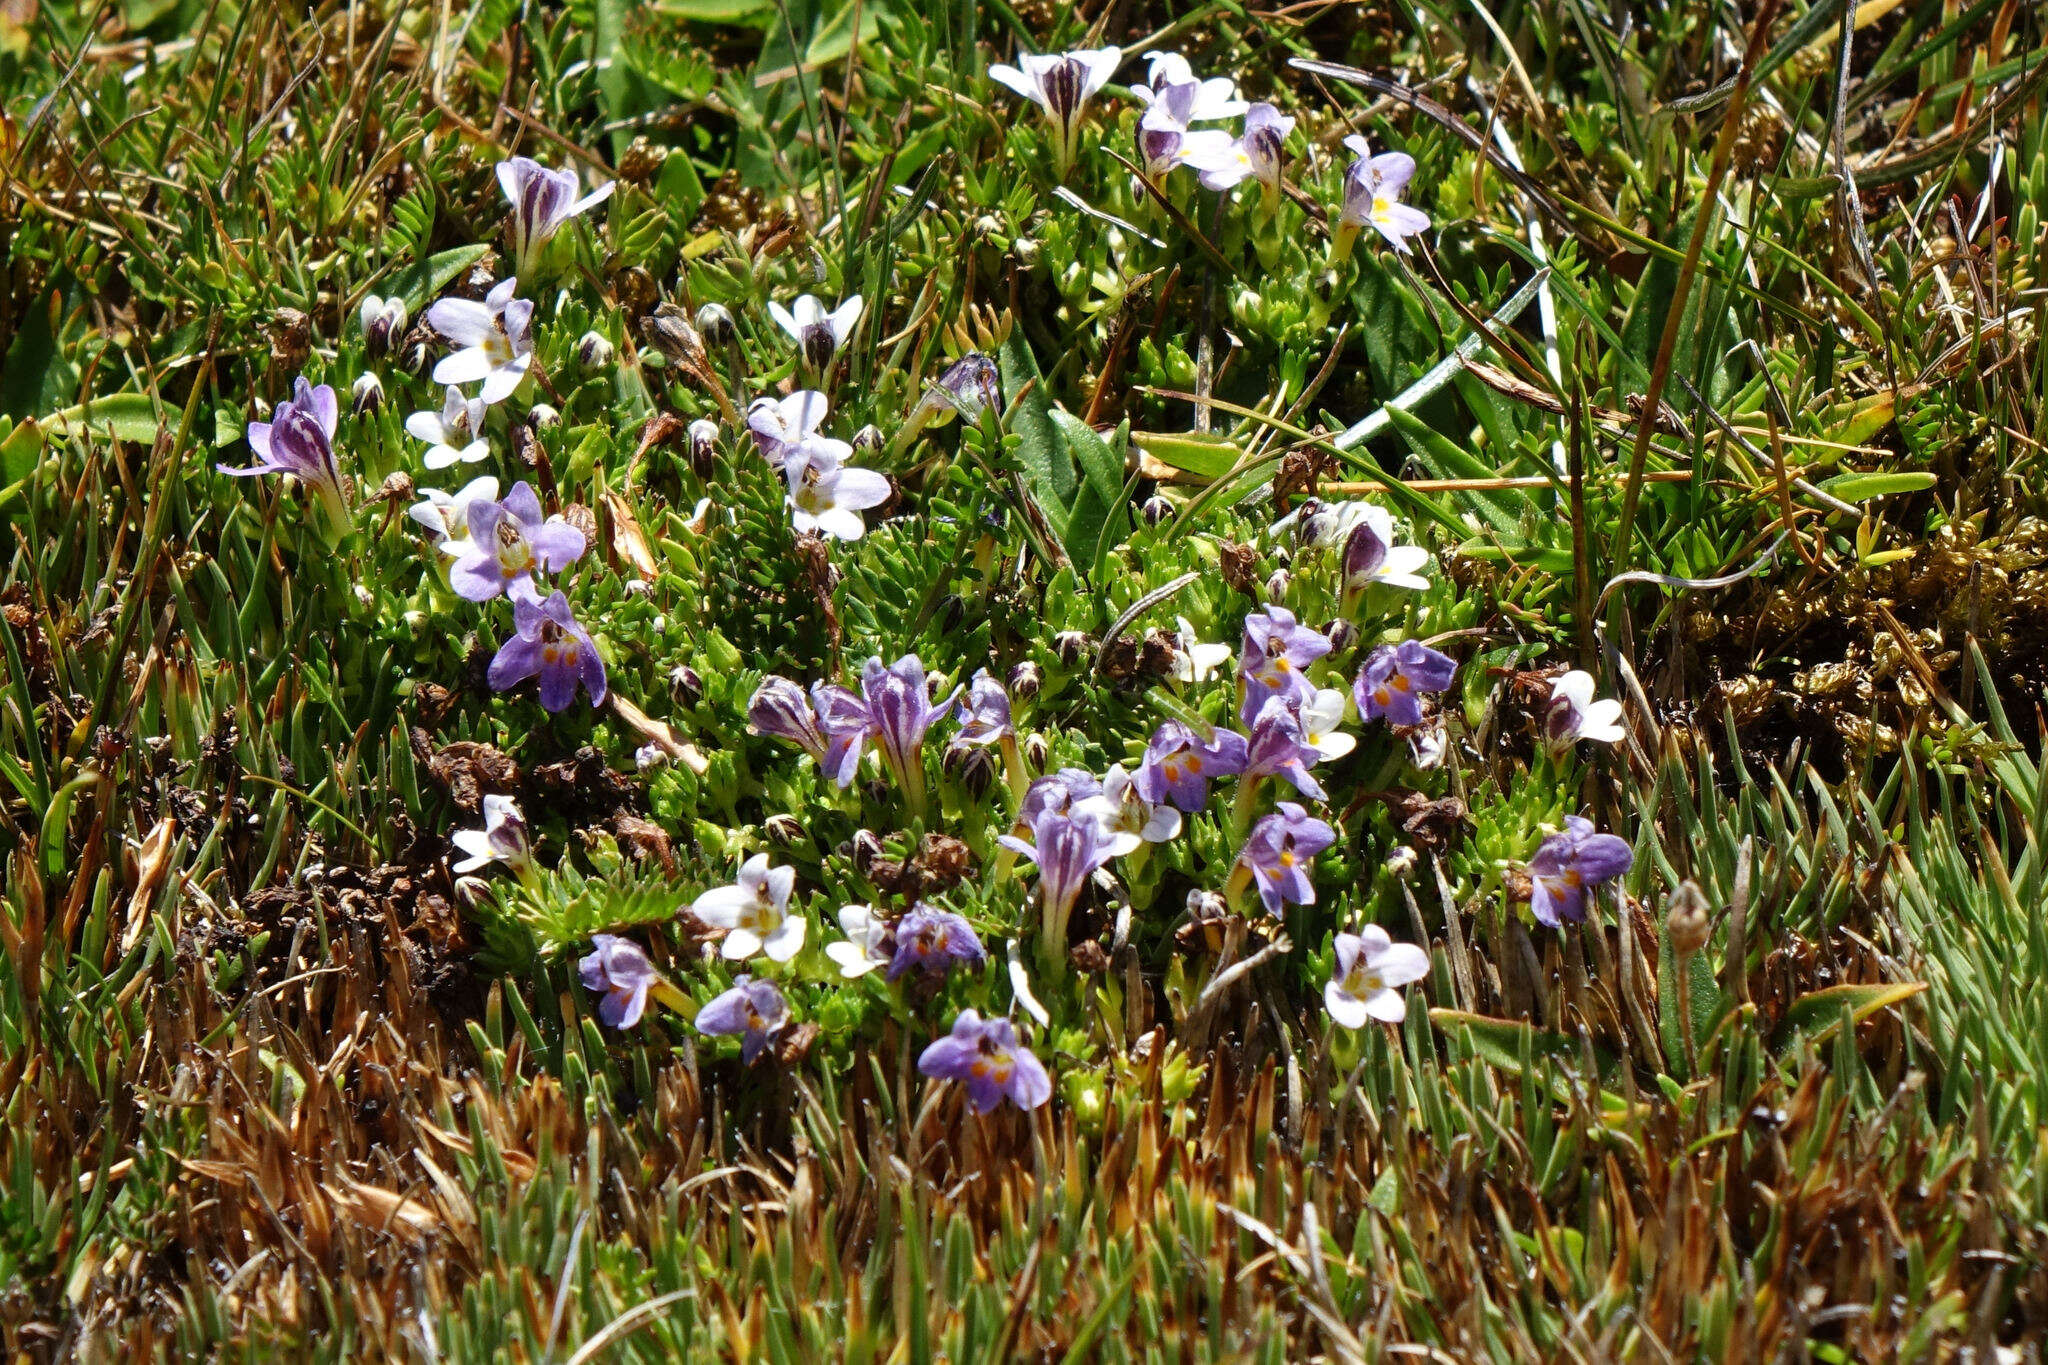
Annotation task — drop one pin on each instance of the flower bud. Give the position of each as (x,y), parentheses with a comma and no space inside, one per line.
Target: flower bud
(973,767)
(541,417)
(593,351)
(1025,680)
(867,847)
(383,322)
(649,755)
(1071,646)
(1156,510)
(366,395)
(1206,905)
(1342,635)
(1401,862)
(783,829)
(1026,250)
(1687,919)
(714,324)
(702,442)
(867,440)
(1034,750)
(1276,585)
(685,685)
(819,346)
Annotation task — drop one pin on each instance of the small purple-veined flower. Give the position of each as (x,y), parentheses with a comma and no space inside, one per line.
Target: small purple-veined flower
(508,542)
(1127,819)
(542,200)
(1067,846)
(1280,748)
(1060,84)
(866,945)
(1173,90)
(753,1009)
(827,496)
(1372,195)
(1395,677)
(1195,660)
(548,642)
(844,718)
(454,435)
(299,440)
(446,515)
(1258,153)
(1574,715)
(780,708)
(1057,793)
(754,911)
(1277,653)
(1278,852)
(1371,556)
(619,968)
(969,386)
(1179,763)
(383,322)
(986,1057)
(932,941)
(900,709)
(503,839)
(819,332)
(1165,142)
(780,425)
(985,715)
(494,340)
(1568,865)
(1371,969)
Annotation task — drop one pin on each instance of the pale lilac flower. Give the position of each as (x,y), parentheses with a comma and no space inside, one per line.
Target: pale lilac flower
(1574,715)
(1277,653)
(753,1009)
(542,200)
(1057,793)
(503,839)
(1060,84)
(1126,818)
(1258,153)
(1371,556)
(508,542)
(986,1056)
(1067,847)
(969,386)
(933,941)
(299,440)
(1194,660)
(845,722)
(1278,747)
(819,332)
(548,642)
(1172,89)
(619,968)
(866,945)
(1568,865)
(494,340)
(1164,142)
(755,912)
(1426,746)
(1395,677)
(827,496)
(1179,763)
(1371,969)
(383,322)
(780,425)
(1278,852)
(454,435)
(1372,195)
(900,710)
(985,715)
(780,708)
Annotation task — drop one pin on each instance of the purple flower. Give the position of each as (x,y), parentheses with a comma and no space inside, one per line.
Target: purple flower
(1573,715)
(1057,793)
(1391,684)
(1175,92)
(1164,142)
(551,644)
(503,839)
(780,708)
(1179,763)
(753,1009)
(1060,83)
(1371,968)
(621,970)
(507,542)
(1067,846)
(1277,653)
(1371,556)
(900,710)
(542,200)
(1568,865)
(827,495)
(1372,194)
(1257,154)
(933,940)
(780,425)
(299,440)
(986,1056)
(985,715)
(1278,852)
(844,719)
(1279,748)
(968,386)
(494,340)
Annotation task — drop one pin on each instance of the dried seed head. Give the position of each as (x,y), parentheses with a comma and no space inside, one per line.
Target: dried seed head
(670,333)
(291,337)
(397,487)
(1240,567)
(583,519)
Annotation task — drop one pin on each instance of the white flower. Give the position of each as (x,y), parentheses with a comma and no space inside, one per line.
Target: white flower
(780,425)
(1371,556)
(501,840)
(861,951)
(1126,818)
(447,514)
(542,201)
(755,911)
(827,496)
(1573,715)
(454,435)
(819,334)
(1370,969)
(1320,716)
(1060,83)
(494,337)
(1173,89)
(1193,659)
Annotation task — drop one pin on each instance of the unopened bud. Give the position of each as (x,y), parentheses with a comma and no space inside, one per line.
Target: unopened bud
(1401,862)
(1034,751)
(702,441)
(1342,635)
(867,440)
(541,417)
(366,395)
(1687,919)
(867,847)
(1025,680)
(1071,646)
(383,323)
(783,829)
(714,324)
(1277,584)
(685,685)
(593,351)
(1156,509)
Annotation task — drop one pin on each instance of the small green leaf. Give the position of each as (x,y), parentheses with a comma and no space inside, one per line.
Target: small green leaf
(1820,1012)
(418,283)
(1209,456)
(1864,487)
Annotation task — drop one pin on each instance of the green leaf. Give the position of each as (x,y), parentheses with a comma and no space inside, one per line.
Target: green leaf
(1201,453)
(1048,469)
(1447,460)
(1702,994)
(124,416)
(1514,1047)
(1820,1012)
(20,448)
(1864,487)
(418,283)
(716,11)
